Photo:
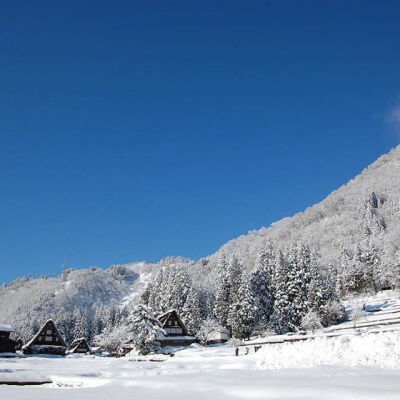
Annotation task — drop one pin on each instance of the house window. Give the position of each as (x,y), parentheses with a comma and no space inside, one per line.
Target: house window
(48,339)
(174,331)
(49,332)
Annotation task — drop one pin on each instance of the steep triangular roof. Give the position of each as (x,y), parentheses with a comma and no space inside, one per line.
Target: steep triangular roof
(53,325)
(166,316)
(76,343)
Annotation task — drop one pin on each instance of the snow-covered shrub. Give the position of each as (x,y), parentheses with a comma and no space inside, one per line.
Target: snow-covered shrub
(332,313)
(311,321)
(112,339)
(208,329)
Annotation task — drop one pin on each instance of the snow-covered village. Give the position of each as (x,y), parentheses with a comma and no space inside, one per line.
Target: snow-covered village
(200,200)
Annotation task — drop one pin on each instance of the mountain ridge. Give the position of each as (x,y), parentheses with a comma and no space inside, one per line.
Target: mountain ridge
(339,221)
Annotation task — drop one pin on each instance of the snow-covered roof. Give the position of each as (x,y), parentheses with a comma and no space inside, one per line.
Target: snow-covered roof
(41,329)
(5,328)
(164,318)
(167,312)
(76,343)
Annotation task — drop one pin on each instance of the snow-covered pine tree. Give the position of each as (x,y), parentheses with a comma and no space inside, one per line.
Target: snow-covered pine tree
(179,284)
(242,313)
(262,283)
(146,294)
(375,275)
(207,301)
(322,296)
(169,288)
(348,275)
(235,271)
(319,288)
(143,330)
(98,324)
(292,281)
(81,326)
(221,306)
(280,318)
(299,260)
(155,291)
(228,286)
(191,314)
(374,222)
(65,322)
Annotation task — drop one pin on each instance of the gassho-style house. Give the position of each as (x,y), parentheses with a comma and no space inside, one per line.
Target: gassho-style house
(176,333)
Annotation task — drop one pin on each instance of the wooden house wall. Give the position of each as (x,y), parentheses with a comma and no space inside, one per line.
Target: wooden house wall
(48,336)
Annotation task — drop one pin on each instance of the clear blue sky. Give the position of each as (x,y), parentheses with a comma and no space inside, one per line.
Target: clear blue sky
(136,130)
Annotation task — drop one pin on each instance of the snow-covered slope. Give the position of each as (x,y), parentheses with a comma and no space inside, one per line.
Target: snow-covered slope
(26,303)
(338,220)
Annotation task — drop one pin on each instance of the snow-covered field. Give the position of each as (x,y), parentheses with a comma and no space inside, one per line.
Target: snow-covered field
(198,373)
(356,364)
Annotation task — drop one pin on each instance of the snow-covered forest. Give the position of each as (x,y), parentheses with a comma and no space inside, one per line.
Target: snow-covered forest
(289,276)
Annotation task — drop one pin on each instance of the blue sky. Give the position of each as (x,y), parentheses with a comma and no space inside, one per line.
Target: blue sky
(136,130)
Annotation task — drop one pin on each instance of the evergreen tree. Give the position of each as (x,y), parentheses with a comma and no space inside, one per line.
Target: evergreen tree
(280,318)
(235,271)
(299,260)
(262,283)
(374,223)
(170,288)
(221,307)
(242,313)
(191,314)
(143,330)
(81,323)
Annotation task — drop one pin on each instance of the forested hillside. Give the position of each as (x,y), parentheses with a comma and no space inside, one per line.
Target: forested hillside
(278,278)
(363,213)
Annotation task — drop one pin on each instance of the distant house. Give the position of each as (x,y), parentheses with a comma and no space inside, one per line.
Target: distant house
(218,336)
(79,346)
(176,333)
(7,345)
(125,349)
(47,341)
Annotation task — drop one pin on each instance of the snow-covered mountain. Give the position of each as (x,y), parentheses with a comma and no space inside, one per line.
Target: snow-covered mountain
(366,208)
(370,201)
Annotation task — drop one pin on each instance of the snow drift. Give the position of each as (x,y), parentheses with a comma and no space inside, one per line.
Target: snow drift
(372,349)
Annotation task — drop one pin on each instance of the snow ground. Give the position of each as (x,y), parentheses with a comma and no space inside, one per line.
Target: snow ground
(356,364)
(195,373)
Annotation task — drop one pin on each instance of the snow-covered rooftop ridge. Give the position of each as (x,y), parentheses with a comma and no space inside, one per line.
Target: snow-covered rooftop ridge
(79,339)
(6,328)
(167,312)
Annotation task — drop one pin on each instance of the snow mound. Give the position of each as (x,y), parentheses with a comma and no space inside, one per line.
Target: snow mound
(373,349)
